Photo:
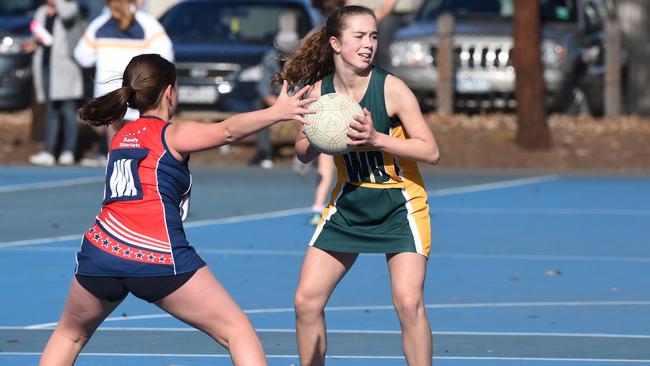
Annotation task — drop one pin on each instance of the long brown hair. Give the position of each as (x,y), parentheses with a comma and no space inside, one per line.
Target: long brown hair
(143,82)
(314,58)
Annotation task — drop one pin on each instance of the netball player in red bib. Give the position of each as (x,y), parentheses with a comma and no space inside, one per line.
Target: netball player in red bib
(137,244)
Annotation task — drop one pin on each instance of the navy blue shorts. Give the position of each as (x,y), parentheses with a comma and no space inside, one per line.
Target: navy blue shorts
(150,289)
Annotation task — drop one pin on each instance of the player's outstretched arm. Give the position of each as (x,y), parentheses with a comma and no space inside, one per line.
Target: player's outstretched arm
(186,137)
(420,145)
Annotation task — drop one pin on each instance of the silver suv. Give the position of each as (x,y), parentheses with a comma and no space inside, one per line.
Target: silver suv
(572,53)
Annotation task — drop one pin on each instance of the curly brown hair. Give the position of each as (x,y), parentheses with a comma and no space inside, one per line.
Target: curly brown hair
(314,57)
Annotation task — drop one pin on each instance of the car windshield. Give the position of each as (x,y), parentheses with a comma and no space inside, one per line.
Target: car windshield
(550,10)
(17,7)
(230,22)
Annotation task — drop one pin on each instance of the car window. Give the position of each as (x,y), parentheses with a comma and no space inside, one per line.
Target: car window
(550,10)
(235,22)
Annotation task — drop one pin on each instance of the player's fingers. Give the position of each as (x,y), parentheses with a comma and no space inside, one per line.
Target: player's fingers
(284,88)
(356,142)
(307,101)
(357,135)
(302,120)
(302,91)
(360,119)
(303,111)
(355,125)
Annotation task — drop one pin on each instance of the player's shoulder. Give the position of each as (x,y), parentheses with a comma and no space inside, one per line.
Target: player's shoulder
(148,21)
(393,81)
(99,21)
(315,92)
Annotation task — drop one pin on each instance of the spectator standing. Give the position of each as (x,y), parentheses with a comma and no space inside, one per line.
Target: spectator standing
(284,43)
(109,43)
(58,80)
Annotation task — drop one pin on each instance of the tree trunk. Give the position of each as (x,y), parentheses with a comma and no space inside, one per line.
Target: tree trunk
(533,132)
(445,89)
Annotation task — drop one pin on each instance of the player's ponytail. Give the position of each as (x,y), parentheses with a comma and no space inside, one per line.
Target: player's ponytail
(143,82)
(311,61)
(314,57)
(107,109)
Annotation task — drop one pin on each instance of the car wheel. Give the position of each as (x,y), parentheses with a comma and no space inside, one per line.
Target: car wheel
(577,104)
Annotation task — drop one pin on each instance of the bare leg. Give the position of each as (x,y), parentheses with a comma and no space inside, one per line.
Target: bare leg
(205,304)
(407,272)
(320,273)
(326,172)
(82,314)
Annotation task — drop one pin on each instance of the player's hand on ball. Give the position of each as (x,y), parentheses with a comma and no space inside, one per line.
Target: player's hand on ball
(362,131)
(293,107)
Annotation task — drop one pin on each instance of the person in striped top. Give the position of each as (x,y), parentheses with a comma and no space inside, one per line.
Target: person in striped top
(110,41)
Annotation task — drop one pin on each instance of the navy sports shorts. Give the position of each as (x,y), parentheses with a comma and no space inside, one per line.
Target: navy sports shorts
(150,289)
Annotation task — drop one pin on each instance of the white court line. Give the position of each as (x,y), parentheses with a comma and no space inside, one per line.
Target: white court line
(301,210)
(391,308)
(250,217)
(52,239)
(52,184)
(496,185)
(300,253)
(377,331)
(540,211)
(366,331)
(343,357)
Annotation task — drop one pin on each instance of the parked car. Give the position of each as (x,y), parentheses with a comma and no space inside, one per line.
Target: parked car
(16,47)
(219,44)
(572,50)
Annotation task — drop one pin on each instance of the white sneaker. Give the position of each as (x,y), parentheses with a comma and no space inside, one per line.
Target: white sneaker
(266,164)
(66,158)
(299,167)
(43,158)
(99,161)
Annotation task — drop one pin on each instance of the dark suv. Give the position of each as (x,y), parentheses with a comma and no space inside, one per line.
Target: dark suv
(16,47)
(219,44)
(572,53)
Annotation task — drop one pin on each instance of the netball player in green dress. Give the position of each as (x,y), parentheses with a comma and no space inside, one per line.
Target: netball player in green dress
(379,204)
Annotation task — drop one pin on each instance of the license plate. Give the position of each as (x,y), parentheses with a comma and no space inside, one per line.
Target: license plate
(197,94)
(472,85)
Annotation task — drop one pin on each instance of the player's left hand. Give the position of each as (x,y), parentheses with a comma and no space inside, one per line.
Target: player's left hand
(362,130)
(293,107)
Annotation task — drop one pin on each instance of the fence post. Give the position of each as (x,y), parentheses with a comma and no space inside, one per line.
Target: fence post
(613,69)
(445,87)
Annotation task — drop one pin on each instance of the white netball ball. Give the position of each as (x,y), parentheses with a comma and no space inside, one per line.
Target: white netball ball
(328,127)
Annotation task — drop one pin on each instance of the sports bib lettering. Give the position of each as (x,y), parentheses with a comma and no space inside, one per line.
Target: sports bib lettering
(366,167)
(122,183)
(122,179)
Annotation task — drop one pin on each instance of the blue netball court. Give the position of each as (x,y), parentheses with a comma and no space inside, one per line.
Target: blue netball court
(526,269)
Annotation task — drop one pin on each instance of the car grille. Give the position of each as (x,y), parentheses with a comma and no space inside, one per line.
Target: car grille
(478,56)
(206,71)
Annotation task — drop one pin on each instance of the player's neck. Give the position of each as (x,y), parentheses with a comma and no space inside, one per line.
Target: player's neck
(351,83)
(159,111)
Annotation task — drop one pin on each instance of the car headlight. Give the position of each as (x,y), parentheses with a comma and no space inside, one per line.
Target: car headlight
(553,53)
(14,45)
(410,53)
(251,74)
